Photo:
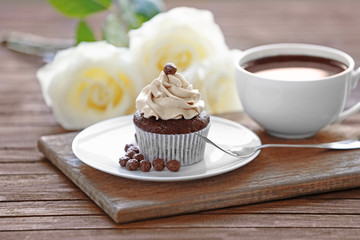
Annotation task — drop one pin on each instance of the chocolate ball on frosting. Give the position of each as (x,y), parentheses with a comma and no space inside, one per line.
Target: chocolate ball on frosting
(170,96)
(170,68)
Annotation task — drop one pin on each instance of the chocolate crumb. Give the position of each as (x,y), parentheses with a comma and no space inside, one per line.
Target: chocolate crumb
(173,165)
(158,164)
(170,68)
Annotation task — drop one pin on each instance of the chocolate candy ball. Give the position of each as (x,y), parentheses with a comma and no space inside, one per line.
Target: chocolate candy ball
(123,160)
(173,165)
(132,164)
(138,156)
(145,165)
(127,146)
(158,164)
(133,149)
(170,68)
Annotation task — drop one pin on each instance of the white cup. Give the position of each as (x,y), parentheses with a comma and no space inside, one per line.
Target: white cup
(296,108)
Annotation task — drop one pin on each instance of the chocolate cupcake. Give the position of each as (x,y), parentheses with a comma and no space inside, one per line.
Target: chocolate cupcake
(169,113)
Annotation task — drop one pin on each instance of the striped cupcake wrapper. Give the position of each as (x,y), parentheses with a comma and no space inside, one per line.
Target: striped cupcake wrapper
(186,148)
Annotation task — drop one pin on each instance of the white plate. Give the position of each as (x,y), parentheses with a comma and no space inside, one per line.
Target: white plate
(101,145)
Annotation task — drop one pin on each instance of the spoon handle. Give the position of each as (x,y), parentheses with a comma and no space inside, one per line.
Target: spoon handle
(347,144)
(215,145)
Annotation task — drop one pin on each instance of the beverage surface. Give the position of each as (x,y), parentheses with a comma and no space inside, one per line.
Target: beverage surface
(294,67)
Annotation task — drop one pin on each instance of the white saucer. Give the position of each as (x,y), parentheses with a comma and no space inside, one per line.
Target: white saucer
(102,144)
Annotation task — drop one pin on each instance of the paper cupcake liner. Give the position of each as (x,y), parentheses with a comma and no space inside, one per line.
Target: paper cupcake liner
(186,148)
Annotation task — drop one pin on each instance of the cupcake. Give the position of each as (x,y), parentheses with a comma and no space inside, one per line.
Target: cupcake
(169,113)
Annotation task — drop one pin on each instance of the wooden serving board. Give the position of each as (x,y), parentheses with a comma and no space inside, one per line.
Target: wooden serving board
(274,174)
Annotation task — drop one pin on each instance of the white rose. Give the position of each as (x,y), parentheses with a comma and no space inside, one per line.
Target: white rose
(215,79)
(89,83)
(181,35)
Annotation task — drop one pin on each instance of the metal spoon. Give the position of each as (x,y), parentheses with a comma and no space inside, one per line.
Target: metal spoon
(250,150)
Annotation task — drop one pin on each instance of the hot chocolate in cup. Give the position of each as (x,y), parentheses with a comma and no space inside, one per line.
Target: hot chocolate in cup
(294,90)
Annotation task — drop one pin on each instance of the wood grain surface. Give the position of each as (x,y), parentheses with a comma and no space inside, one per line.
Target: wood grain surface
(274,174)
(37,201)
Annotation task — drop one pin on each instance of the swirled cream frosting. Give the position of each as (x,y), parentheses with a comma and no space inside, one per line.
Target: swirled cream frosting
(169,96)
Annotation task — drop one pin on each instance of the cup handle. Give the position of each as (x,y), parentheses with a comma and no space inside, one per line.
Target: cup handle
(354,109)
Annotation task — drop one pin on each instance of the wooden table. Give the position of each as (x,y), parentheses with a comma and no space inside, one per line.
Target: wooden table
(37,201)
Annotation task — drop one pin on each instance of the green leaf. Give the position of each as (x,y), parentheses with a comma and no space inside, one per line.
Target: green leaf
(146,9)
(114,31)
(80,8)
(84,33)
